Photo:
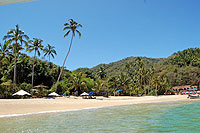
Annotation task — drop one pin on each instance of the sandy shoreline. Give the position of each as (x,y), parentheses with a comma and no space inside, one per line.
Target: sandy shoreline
(26,106)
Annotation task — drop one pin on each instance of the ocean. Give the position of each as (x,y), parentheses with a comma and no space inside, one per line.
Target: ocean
(154,117)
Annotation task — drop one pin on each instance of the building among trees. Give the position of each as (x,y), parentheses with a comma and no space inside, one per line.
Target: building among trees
(184,88)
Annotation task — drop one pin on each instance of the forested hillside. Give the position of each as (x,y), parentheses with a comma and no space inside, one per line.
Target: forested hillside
(183,67)
(117,67)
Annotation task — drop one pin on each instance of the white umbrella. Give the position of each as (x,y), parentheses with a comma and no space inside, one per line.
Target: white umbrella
(84,94)
(53,94)
(21,93)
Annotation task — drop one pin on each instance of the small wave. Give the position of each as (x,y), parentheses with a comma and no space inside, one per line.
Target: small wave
(44,112)
(60,111)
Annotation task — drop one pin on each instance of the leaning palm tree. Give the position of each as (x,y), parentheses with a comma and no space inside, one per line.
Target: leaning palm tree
(72,26)
(35,46)
(16,36)
(50,51)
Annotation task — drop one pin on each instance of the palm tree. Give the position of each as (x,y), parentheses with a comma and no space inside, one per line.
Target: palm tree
(6,57)
(140,71)
(112,83)
(3,57)
(3,50)
(77,83)
(50,51)
(101,73)
(164,84)
(98,86)
(156,83)
(17,37)
(72,26)
(128,66)
(123,82)
(134,85)
(35,46)
(150,73)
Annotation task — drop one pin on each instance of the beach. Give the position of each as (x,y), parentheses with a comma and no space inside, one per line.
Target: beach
(41,105)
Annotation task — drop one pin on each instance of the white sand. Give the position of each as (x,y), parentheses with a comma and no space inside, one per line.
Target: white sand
(23,106)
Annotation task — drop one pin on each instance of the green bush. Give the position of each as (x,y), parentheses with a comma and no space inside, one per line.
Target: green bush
(61,88)
(26,86)
(7,89)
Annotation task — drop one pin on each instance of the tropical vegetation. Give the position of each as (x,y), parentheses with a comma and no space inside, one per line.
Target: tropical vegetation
(132,76)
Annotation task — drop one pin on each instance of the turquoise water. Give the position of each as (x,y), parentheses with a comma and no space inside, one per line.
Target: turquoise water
(157,117)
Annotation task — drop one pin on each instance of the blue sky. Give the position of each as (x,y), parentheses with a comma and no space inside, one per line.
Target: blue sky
(112,29)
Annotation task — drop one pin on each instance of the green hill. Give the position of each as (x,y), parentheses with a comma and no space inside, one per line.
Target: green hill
(182,67)
(115,68)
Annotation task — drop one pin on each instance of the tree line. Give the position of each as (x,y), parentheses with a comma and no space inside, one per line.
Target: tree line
(132,76)
(15,67)
(137,80)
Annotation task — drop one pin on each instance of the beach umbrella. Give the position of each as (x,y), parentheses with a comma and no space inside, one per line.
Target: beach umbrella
(84,94)
(40,86)
(21,93)
(53,94)
(91,93)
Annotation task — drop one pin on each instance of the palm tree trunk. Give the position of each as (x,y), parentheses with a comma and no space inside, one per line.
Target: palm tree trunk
(15,65)
(156,89)
(33,68)
(64,61)
(148,87)
(151,84)
(141,82)
(145,87)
